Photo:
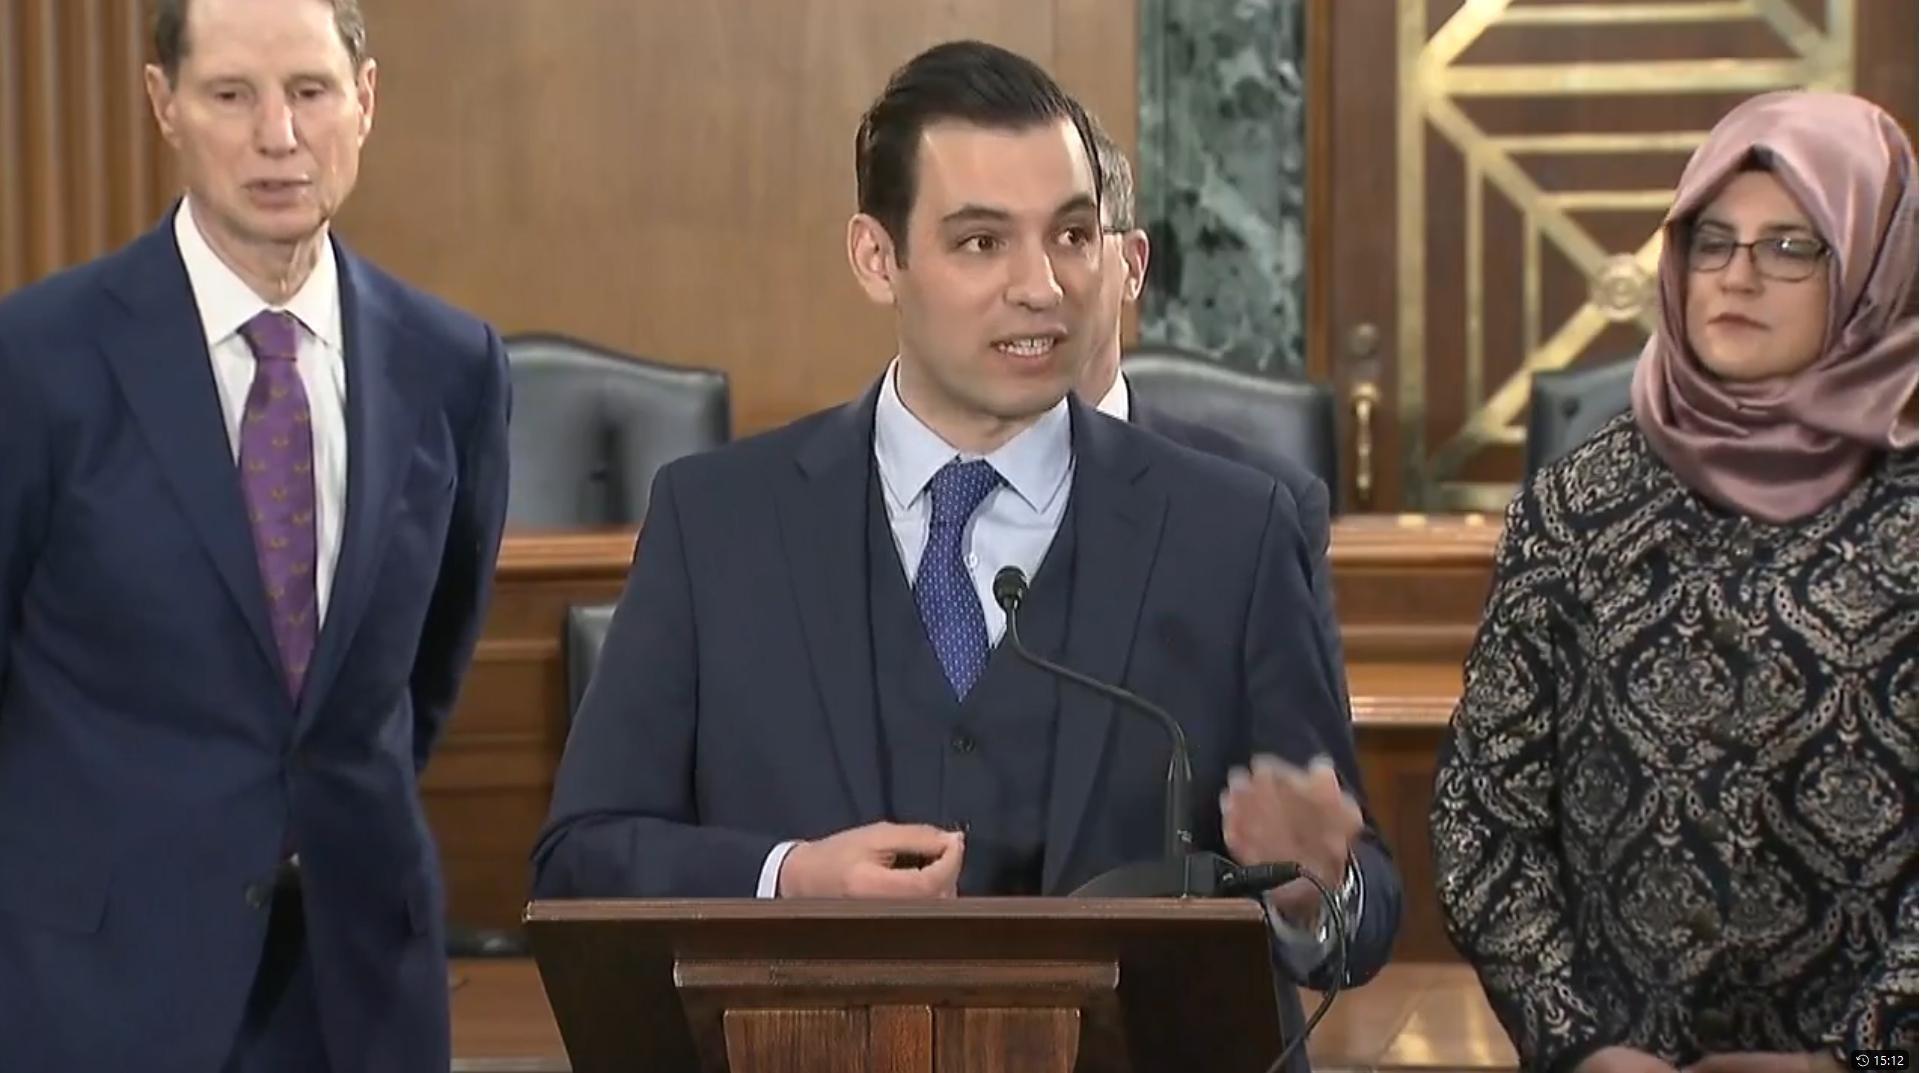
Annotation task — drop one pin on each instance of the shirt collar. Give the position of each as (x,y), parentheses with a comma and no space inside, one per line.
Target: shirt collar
(226,302)
(1035,463)
(1115,403)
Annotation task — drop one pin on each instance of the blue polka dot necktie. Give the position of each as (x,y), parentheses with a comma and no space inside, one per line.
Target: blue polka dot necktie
(950,608)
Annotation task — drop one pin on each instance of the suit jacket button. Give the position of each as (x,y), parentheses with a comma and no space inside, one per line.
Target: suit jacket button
(963,742)
(258,894)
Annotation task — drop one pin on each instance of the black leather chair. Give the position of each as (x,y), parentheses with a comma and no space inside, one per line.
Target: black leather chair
(1269,417)
(586,636)
(1566,406)
(592,426)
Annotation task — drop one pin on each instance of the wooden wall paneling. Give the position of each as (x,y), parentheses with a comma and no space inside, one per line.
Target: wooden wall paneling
(12,197)
(1887,36)
(1397,765)
(1096,56)
(1353,318)
(1409,592)
(82,170)
(672,181)
(488,786)
(137,157)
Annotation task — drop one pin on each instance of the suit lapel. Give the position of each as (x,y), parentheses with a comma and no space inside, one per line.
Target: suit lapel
(1117,518)
(822,510)
(383,417)
(158,354)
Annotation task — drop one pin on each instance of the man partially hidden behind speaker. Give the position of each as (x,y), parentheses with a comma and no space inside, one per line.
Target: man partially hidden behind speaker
(803,692)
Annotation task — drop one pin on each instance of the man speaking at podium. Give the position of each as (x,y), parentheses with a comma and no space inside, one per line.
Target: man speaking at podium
(803,692)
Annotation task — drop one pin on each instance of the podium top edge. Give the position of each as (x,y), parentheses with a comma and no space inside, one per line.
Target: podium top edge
(1115,910)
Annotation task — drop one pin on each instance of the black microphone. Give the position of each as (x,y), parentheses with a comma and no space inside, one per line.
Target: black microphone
(1010,588)
(1183,871)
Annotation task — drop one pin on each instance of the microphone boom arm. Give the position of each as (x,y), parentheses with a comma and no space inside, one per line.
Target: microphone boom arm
(1178,835)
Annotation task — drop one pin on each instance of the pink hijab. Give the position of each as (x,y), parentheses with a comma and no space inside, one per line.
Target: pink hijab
(1783,449)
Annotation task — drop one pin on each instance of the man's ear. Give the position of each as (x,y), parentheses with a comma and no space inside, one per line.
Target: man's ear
(160,97)
(871,254)
(1135,251)
(364,85)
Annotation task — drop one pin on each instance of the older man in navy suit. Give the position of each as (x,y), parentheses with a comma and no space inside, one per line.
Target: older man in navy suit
(802,692)
(252,494)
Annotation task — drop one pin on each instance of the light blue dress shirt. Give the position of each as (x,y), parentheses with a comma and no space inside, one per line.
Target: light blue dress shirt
(1013,526)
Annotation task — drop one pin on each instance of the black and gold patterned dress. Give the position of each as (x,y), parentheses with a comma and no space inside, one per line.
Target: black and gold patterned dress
(1676,809)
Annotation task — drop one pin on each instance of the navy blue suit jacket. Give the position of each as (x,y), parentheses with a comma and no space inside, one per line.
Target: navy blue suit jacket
(734,702)
(1310,501)
(152,764)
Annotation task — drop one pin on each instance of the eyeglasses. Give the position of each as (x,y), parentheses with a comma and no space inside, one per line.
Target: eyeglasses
(1786,258)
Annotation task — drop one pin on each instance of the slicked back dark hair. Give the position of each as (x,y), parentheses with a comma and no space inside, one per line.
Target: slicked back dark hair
(969,81)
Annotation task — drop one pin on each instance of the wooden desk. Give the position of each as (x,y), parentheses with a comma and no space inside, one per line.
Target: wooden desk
(488,785)
(1409,591)
(1412,1017)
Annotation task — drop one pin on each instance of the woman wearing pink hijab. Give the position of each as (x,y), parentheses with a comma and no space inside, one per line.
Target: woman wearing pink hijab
(1674,823)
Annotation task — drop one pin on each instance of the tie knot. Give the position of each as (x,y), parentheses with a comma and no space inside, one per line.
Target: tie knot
(272,336)
(958,489)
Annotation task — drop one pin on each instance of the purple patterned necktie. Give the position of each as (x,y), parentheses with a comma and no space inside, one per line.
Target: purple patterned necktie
(276,472)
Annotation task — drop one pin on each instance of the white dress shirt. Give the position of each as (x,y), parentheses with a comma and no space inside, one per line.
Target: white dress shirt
(225,303)
(1115,403)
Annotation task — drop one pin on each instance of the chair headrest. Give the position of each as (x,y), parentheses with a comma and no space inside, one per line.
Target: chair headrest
(1566,406)
(587,626)
(1269,418)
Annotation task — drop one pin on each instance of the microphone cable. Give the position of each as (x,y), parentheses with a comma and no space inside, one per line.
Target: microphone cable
(1259,878)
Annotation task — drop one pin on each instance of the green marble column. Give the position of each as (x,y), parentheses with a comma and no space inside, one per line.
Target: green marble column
(1223,182)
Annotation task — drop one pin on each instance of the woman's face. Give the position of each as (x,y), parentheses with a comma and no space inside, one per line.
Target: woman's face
(1757,297)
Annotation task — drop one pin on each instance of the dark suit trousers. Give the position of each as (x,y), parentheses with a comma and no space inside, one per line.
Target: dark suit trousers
(280,1031)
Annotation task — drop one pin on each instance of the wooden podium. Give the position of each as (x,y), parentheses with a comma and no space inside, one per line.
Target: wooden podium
(971,985)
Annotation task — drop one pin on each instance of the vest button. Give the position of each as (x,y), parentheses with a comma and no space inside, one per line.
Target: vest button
(257,895)
(963,742)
